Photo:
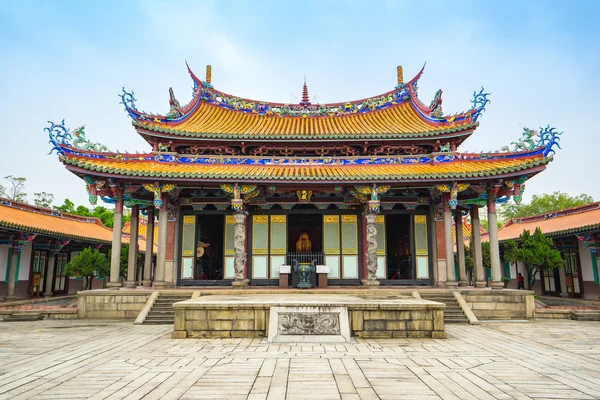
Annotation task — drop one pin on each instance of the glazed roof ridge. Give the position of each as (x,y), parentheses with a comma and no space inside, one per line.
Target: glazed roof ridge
(415,119)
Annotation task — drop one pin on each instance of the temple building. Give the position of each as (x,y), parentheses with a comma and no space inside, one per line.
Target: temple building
(367,191)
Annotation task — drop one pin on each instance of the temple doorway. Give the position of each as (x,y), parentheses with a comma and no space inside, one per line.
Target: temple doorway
(209,248)
(305,233)
(399,247)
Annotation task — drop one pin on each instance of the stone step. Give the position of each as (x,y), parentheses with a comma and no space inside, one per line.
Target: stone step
(23,317)
(158,313)
(159,322)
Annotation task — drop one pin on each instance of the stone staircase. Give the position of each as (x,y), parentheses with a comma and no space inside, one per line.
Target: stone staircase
(162,312)
(453,313)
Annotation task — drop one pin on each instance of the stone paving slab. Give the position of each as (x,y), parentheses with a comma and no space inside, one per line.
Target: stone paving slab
(555,359)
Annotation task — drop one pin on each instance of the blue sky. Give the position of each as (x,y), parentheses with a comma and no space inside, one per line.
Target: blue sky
(539,59)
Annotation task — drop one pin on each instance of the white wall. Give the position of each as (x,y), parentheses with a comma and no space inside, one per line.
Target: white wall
(25,265)
(3,261)
(513,271)
(586,262)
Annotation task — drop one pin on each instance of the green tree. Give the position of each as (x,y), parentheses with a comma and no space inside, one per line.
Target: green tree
(535,251)
(16,190)
(43,199)
(543,204)
(88,264)
(67,207)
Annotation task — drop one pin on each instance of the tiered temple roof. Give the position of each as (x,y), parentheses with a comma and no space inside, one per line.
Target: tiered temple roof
(222,138)
(397,114)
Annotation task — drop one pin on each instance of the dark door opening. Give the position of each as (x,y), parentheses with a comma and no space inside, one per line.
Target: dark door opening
(399,247)
(209,247)
(306,229)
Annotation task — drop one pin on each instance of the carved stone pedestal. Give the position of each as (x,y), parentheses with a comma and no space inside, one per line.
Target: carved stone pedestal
(240,284)
(370,284)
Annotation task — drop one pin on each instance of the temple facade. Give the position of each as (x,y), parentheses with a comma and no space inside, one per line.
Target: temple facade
(366,191)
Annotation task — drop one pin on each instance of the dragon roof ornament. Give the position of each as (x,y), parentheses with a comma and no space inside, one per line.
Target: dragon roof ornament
(546,138)
(62,137)
(204,92)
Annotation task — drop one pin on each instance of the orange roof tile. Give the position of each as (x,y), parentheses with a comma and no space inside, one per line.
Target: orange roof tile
(564,222)
(212,121)
(142,229)
(39,220)
(301,169)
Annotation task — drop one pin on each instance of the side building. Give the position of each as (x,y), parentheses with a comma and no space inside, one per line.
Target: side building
(368,189)
(576,233)
(37,243)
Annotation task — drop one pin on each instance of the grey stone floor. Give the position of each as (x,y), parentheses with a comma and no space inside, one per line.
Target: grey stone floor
(115,360)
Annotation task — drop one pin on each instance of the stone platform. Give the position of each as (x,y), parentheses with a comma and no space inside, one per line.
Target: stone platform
(248,315)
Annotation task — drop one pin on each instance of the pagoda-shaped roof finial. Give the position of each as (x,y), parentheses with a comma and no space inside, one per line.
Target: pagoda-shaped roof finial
(305,99)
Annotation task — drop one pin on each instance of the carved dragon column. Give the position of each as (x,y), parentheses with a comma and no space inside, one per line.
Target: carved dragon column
(372,209)
(239,241)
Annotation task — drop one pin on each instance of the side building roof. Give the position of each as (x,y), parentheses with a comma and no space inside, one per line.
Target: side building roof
(560,223)
(24,217)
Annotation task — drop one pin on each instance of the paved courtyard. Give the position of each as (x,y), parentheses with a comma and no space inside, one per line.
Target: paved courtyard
(115,360)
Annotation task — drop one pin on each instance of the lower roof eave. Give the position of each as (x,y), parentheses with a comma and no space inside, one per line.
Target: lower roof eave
(316,182)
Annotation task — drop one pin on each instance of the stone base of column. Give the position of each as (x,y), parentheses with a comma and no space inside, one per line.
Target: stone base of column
(48,294)
(159,284)
(147,283)
(370,284)
(480,284)
(240,284)
(497,285)
(130,284)
(463,283)
(9,298)
(114,285)
(451,284)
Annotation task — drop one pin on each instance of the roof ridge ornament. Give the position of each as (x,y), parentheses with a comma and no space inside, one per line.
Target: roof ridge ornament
(479,102)
(128,101)
(61,136)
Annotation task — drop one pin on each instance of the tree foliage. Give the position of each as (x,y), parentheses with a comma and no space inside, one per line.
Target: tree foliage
(16,190)
(88,263)
(43,199)
(543,204)
(105,215)
(535,251)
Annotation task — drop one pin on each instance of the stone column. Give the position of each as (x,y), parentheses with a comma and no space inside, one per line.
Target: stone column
(161,256)
(479,278)
(451,273)
(240,255)
(494,246)
(133,248)
(50,274)
(147,281)
(460,249)
(371,251)
(433,241)
(12,274)
(115,258)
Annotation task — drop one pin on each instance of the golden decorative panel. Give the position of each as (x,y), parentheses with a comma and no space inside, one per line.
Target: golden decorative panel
(260,219)
(189,219)
(349,218)
(278,218)
(380,219)
(331,219)
(230,219)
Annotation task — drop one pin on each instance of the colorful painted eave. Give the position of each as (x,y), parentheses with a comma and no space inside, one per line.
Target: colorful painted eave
(429,167)
(397,114)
